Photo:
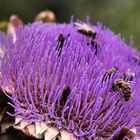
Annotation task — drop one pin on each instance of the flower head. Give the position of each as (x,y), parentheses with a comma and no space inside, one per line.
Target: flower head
(61,81)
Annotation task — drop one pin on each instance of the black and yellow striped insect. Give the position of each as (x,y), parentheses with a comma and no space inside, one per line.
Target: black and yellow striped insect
(86,30)
(123,87)
(129,75)
(109,73)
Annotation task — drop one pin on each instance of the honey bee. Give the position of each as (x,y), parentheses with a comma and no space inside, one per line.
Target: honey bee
(109,73)
(129,75)
(64,96)
(127,134)
(60,43)
(86,30)
(136,59)
(61,40)
(96,45)
(123,87)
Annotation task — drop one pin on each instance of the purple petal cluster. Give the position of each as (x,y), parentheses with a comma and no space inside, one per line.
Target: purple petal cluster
(64,87)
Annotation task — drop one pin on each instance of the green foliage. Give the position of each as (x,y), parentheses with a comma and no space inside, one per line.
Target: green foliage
(3,26)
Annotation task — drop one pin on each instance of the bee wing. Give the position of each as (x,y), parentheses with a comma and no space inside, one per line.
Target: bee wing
(77,24)
(86,26)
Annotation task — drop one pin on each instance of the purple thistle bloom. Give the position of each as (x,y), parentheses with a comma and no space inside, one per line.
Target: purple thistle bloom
(59,80)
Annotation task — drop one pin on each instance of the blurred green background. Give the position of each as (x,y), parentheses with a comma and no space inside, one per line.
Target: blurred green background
(122,16)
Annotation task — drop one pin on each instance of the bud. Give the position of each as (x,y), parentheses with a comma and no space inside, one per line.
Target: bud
(45,16)
(14,22)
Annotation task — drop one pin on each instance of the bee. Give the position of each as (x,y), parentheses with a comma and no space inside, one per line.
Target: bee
(96,45)
(65,93)
(109,73)
(86,30)
(136,59)
(129,75)
(60,43)
(123,87)
(127,134)
(61,40)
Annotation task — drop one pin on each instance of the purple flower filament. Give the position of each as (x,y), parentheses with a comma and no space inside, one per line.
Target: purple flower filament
(59,81)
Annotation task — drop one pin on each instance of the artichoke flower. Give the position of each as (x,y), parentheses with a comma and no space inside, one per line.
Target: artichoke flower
(72,81)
